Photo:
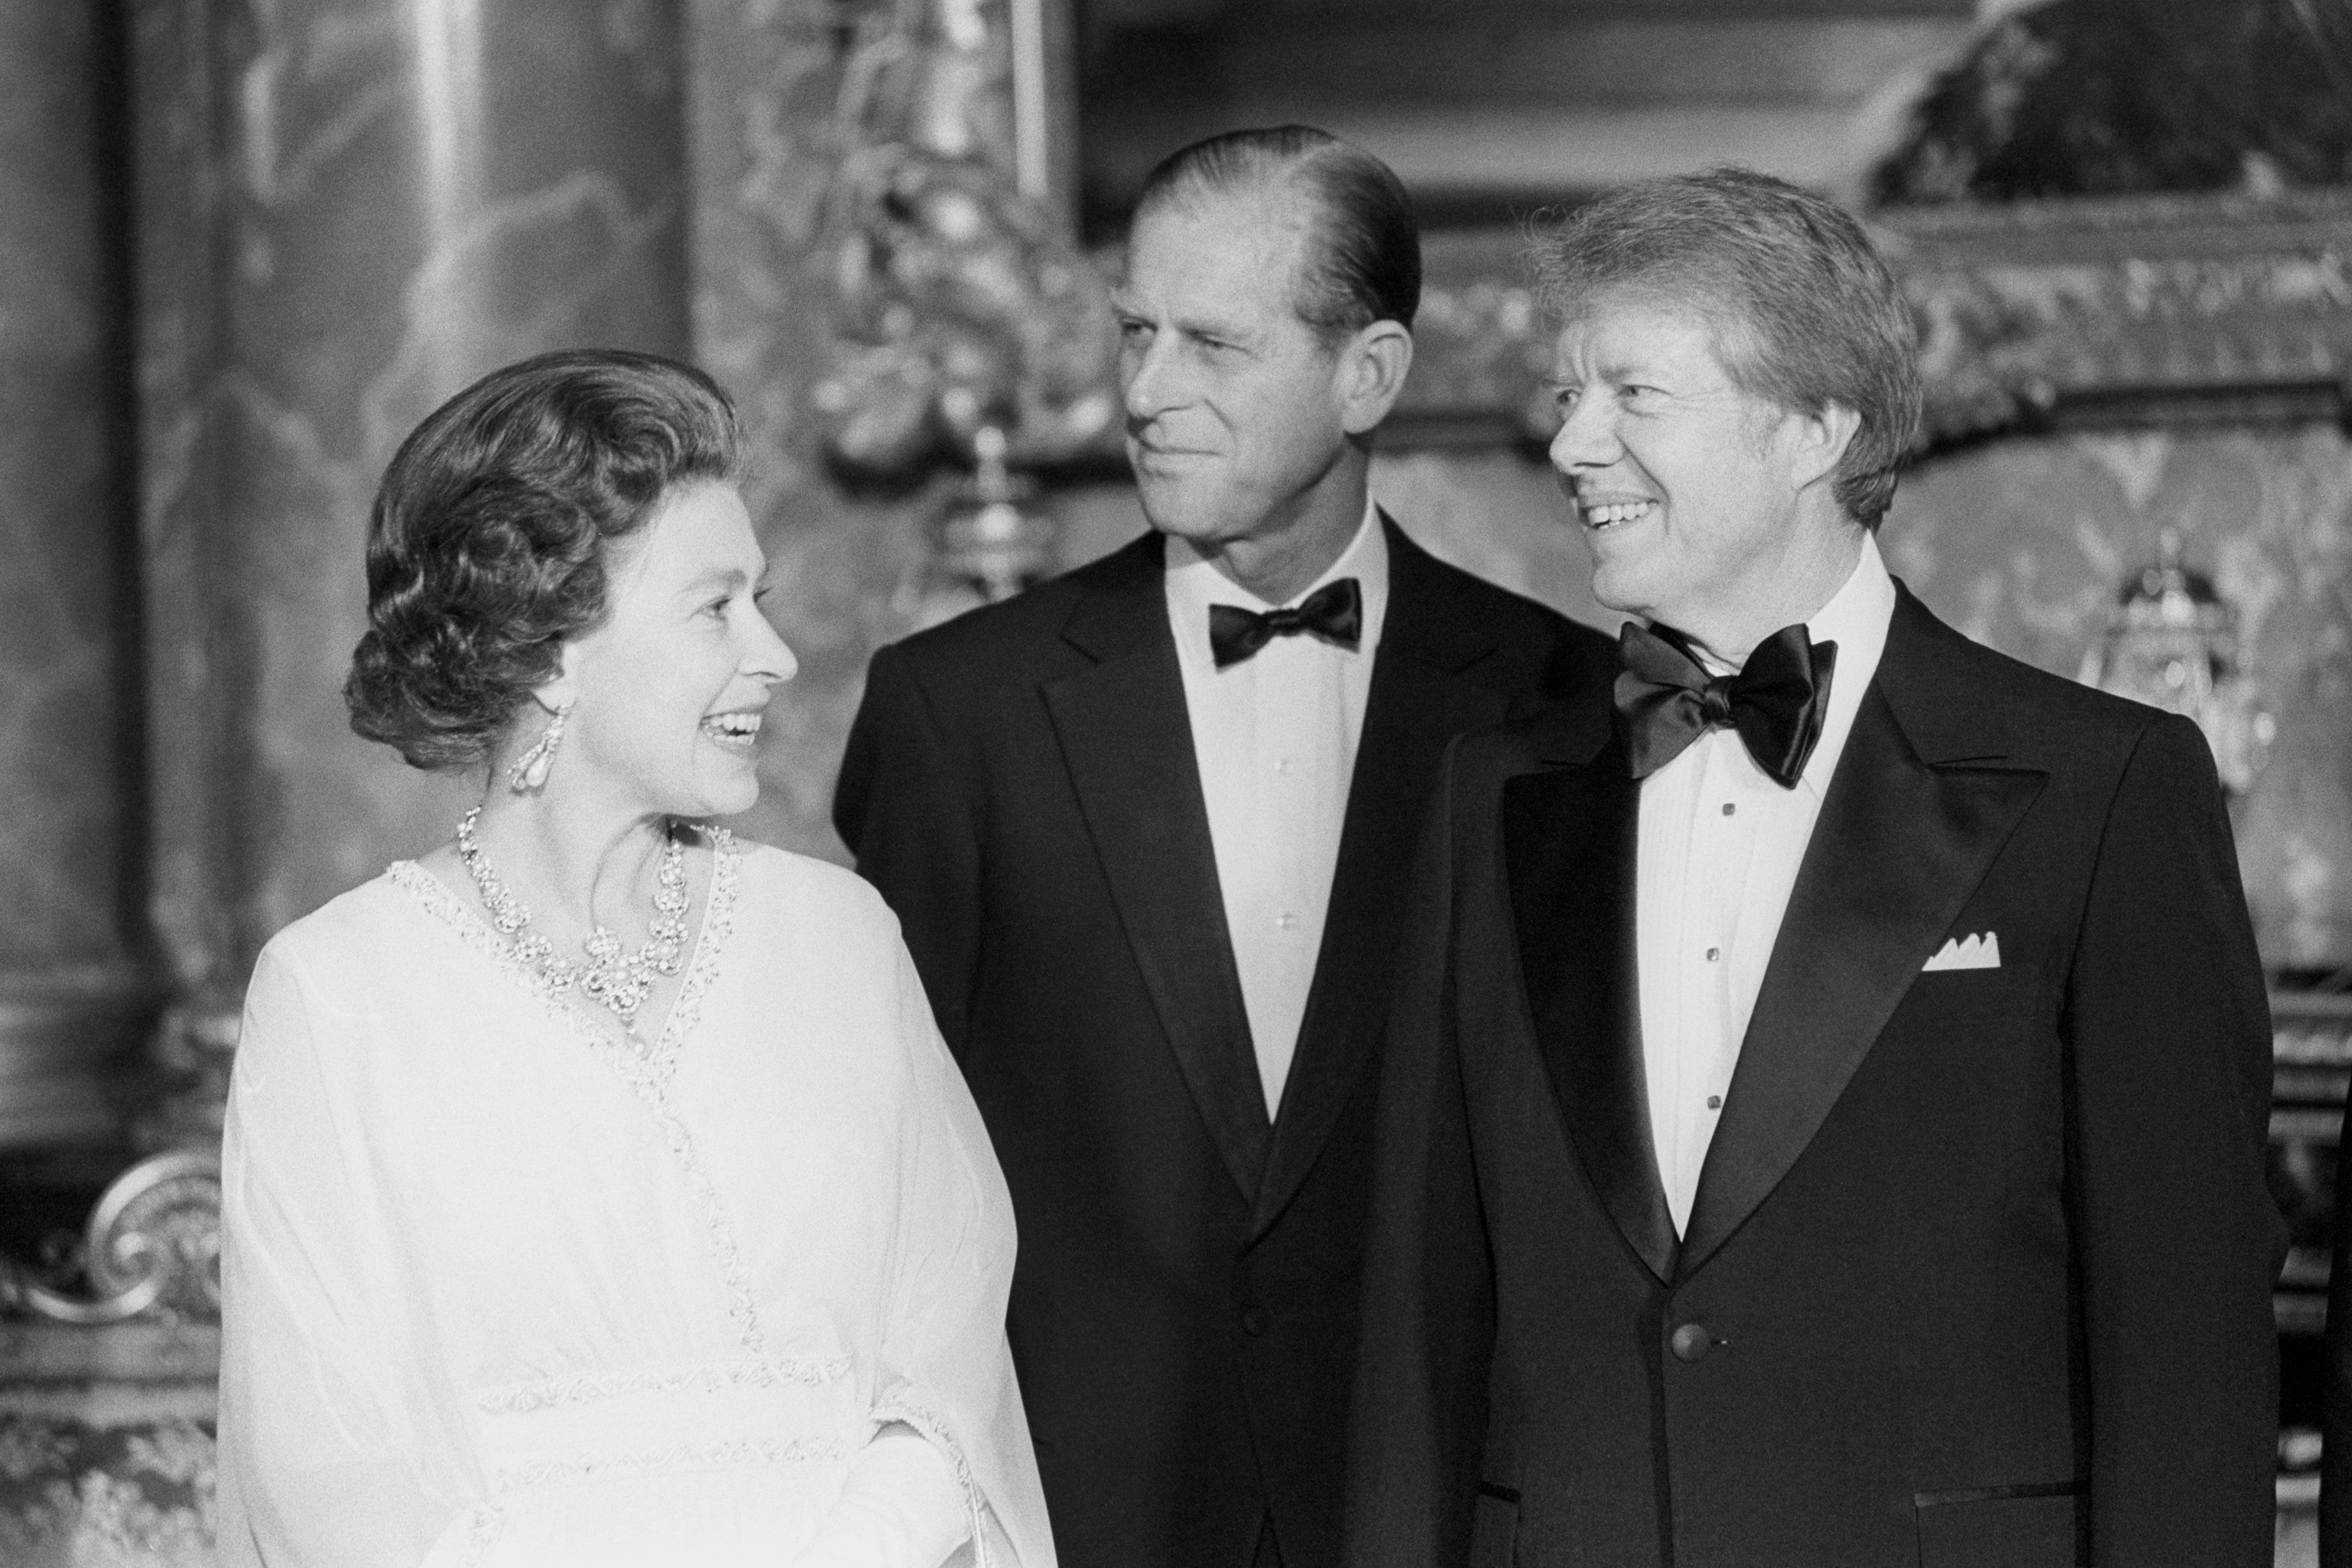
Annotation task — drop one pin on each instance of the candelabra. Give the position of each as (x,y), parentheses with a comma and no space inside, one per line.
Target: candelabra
(2172,642)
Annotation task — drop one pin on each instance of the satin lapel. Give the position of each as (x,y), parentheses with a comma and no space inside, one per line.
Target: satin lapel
(1899,846)
(1127,743)
(1417,704)
(1568,840)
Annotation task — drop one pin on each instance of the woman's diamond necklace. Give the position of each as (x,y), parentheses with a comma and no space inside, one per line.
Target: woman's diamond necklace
(618,981)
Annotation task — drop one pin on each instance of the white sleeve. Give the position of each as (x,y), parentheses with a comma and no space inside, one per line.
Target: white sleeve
(945,1371)
(901,1508)
(313,1465)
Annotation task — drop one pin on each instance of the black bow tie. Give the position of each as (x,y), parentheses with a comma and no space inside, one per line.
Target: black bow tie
(1333,612)
(1667,699)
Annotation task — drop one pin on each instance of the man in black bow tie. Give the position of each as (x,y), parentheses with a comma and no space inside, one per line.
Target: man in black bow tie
(1823,1117)
(1147,828)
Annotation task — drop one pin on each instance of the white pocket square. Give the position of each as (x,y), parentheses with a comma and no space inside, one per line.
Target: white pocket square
(1967,953)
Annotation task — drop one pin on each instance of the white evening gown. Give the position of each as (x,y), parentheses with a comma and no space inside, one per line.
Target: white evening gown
(500,1289)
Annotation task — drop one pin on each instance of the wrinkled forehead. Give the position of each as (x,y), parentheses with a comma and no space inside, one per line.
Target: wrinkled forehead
(1273,202)
(1257,232)
(1636,317)
(1721,310)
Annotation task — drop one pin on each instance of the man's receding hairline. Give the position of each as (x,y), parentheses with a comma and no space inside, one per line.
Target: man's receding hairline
(1300,223)
(1192,192)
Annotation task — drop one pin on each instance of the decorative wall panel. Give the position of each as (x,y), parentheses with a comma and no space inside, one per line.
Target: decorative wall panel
(62,530)
(347,210)
(72,999)
(776,108)
(2024,543)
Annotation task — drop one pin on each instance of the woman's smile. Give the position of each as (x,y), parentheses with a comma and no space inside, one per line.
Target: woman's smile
(736,730)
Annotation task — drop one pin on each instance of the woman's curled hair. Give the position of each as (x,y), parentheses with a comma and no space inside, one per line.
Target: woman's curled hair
(488,543)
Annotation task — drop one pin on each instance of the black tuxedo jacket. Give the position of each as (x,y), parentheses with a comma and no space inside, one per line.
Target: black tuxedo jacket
(1978,1268)
(1021,786)
(2335,1447)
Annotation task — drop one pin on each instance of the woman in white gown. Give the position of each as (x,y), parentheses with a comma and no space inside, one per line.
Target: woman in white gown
(597,1189)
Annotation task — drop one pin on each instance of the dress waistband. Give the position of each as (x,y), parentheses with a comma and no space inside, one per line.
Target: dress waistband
(632,1420)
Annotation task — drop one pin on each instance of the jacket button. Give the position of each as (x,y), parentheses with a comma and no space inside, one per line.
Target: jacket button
(1254,1320)
(1690,1342)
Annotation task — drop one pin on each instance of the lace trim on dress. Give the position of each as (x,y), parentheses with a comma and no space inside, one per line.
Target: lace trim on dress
(685,1457)
(717,924)
(648,1073)
(707,1377)
(724,1253)
(483,1528)
(897,1407)
(661,1060)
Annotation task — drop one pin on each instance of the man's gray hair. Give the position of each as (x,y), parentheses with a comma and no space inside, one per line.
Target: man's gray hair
(1802,308)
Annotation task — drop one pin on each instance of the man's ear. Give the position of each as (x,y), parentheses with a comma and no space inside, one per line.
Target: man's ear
(1372,367)
(1821,442)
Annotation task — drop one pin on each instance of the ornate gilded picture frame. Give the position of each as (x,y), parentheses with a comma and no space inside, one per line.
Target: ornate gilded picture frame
(2162,310)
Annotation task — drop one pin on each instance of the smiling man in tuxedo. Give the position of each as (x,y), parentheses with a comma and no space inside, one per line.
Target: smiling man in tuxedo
(1147,828)
(1824,1115)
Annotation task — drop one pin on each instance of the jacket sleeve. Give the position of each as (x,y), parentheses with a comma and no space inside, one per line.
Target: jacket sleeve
(1419,1420)
(909,813)
(2177,1242)
(1582,658)
(2335,1450)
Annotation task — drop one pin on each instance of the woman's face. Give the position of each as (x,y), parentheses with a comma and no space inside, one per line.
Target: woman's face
(670,687)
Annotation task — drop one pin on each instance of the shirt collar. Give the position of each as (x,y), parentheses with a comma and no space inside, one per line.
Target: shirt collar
(1855,619)
(1194,584)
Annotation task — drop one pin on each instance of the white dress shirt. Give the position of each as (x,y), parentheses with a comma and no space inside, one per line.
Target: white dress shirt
(1719,847)
(1276,737)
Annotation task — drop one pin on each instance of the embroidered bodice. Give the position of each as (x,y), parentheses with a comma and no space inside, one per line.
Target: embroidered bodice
(508,1284)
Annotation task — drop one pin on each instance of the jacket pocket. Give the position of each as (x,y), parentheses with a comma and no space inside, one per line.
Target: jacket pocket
(2001,1527)
(1495,1513)
(1493,1526)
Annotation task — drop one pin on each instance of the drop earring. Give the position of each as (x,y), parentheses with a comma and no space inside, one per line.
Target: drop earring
(528,772)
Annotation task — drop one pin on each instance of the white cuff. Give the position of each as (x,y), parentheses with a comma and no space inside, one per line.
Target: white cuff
(900,1508)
